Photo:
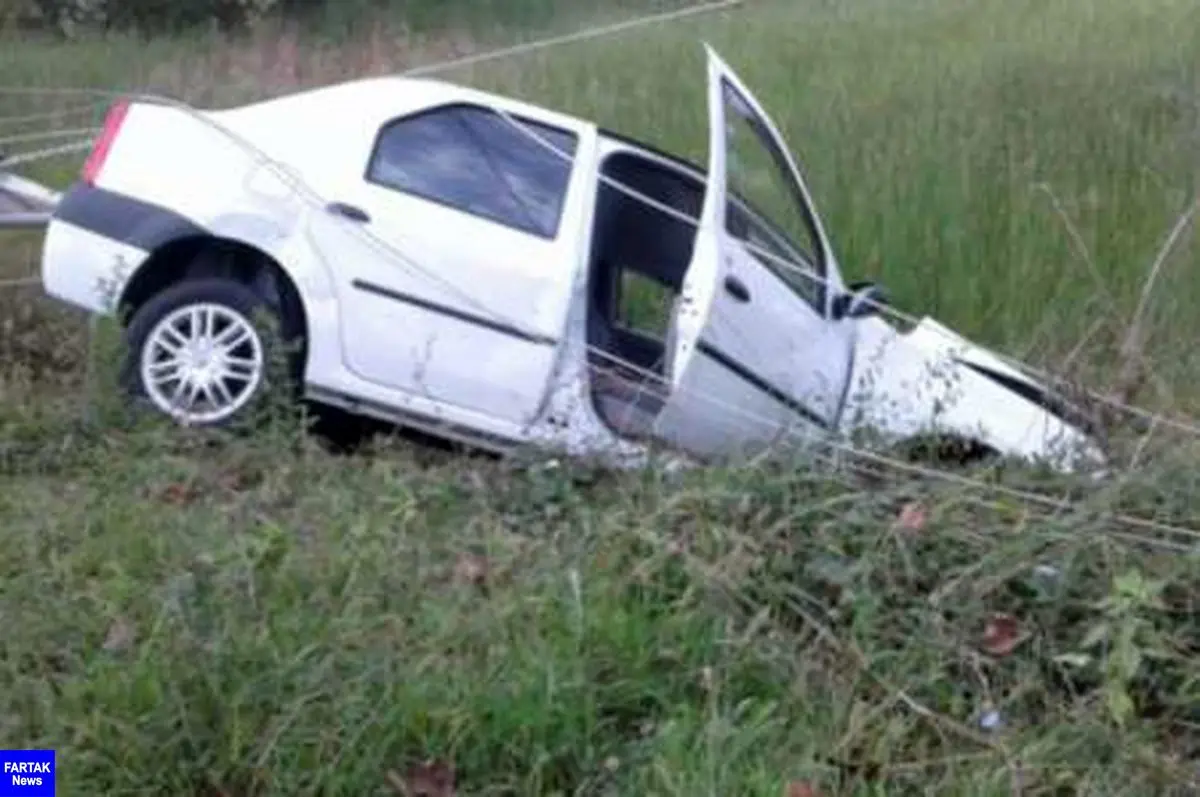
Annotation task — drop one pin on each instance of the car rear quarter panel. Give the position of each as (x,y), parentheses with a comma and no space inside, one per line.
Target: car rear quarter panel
(172,173)
(172,157)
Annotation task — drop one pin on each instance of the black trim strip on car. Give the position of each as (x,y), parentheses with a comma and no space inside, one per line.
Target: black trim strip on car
(761,384)
(452,312)
(1042,397)
(122,218)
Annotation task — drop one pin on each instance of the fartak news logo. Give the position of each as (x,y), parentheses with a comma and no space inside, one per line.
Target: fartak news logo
(27,773)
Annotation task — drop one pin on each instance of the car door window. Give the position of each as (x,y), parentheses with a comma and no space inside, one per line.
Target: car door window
(766,210)
(477,161)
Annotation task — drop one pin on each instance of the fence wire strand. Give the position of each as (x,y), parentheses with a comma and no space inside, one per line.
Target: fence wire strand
(22,158)
(48,135)
(45,116)
(1147,527)
(890,311)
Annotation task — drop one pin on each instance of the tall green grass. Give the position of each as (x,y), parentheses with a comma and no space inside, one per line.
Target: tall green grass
(198,615)
(1010,167)
(956,151)
(206,615)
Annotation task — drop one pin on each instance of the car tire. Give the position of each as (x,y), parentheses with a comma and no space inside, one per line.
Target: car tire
(205,352)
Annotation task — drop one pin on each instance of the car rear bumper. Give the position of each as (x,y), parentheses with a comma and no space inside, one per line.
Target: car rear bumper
(85,268)
(97,238)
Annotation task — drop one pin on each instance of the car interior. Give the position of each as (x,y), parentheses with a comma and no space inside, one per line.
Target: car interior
(639,257)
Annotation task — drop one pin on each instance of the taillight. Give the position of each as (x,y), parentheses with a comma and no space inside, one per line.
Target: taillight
(108,134)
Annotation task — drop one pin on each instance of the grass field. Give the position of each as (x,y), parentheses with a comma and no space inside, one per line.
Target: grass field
(201,615)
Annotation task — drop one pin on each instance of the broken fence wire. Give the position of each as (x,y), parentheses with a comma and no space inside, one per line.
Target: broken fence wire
(22,158)
(47,135)
(585,34)
(1147,531)
(313,198)
(305,192)
(807,273)
(43,116)
(1138,529)
(578,36)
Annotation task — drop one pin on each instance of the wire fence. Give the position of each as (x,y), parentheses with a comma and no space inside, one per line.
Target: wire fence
(651,379)
(33,220)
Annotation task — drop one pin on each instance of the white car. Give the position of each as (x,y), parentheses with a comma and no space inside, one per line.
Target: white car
(484,270)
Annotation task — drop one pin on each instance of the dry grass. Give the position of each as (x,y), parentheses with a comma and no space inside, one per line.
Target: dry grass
(276,60)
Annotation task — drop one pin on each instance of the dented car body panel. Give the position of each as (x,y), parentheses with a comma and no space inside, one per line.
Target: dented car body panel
(473,266)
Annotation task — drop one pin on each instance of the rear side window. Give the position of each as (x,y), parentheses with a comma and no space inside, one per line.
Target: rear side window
(479,162)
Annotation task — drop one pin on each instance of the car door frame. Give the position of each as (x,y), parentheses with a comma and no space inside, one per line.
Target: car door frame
(708,272)
(566,240)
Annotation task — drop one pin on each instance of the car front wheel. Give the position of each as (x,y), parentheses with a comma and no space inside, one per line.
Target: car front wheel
(200,351)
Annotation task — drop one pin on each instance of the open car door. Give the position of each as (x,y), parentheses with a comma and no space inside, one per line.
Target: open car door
(754,358)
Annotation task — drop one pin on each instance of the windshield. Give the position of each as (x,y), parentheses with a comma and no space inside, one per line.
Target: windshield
(766,209)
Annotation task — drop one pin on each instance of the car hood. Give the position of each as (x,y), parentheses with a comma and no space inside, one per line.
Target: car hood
(931,380)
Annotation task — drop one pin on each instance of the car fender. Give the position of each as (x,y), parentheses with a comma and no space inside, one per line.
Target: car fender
(279,239)
(928,381)
(274,239)
(273,215)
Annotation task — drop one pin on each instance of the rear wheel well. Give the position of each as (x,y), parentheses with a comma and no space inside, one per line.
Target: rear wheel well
(197,257)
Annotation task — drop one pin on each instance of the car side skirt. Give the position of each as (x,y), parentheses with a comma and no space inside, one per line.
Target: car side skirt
(437,427)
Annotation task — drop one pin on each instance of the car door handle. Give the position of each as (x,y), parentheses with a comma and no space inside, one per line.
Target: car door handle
(348,211)
(737,289)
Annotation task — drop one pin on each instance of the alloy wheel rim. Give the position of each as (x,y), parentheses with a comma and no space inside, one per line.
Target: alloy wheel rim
(202,363)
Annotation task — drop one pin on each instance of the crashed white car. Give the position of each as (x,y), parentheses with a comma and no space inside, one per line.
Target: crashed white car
(505,275)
